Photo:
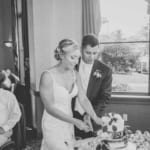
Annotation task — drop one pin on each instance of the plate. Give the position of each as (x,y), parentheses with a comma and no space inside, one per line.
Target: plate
(120,148)
(116,140)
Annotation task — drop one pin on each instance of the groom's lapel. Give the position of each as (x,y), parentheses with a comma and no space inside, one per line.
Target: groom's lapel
(93,82)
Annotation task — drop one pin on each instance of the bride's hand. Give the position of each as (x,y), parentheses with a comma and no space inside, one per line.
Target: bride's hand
(87,121)
(99,121)
(81,125)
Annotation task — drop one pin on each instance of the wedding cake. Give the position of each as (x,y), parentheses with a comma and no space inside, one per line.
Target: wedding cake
(111,136)
(113,131)
(113,125)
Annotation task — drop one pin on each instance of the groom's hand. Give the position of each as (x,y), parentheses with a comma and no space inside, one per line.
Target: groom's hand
(81,125)
(87,120)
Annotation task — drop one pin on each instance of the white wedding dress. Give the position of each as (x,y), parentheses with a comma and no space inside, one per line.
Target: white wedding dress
(58,134)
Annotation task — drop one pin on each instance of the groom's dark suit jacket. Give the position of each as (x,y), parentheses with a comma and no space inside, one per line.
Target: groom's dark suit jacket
(99,88)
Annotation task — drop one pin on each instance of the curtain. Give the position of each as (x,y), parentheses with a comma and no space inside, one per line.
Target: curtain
(148,7)
(91,18)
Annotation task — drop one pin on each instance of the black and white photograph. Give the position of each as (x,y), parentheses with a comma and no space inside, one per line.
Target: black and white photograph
(74,74)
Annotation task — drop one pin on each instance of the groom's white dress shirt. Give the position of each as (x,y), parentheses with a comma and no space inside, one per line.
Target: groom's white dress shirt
(84,72)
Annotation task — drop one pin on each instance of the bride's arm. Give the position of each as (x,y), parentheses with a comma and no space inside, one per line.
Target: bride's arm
(85,102)
(47,97)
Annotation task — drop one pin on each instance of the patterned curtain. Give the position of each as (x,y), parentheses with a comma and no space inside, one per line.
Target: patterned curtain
(91,17)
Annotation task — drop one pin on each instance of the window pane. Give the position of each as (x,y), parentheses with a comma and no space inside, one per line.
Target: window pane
(124,39)
(124,20)
(130,65)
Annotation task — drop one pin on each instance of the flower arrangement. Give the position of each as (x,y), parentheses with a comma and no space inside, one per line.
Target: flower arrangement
(105,141)
(142,140)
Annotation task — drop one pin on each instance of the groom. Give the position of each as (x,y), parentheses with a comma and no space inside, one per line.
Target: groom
(96,78)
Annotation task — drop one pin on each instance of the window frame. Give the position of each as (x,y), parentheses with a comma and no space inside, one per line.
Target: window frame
(128,97)
(130,94)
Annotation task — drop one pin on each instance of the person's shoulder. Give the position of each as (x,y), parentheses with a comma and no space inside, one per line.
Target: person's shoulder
(46,73)
(49,70)
(102,65)
(47,76)
(7,93)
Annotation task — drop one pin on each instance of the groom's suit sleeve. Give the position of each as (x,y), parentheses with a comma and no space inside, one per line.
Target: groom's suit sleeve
(104,95)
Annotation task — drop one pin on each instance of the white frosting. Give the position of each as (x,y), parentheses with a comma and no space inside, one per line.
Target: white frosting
(114,122)
(110,120)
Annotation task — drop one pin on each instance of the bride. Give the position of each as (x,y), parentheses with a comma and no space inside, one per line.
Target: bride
(58,85)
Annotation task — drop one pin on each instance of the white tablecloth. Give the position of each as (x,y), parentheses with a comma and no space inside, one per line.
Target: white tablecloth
(83,145)
(130,146)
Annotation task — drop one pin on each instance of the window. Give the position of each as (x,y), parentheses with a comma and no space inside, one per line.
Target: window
(124,40)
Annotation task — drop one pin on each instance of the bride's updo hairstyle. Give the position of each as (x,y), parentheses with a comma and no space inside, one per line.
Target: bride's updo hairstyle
(62,48)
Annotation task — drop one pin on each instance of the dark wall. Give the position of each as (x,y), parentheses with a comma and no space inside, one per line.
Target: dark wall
(6,54)
(138,112)
(1,38)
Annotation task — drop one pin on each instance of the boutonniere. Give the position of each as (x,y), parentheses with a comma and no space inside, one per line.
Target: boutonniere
(97,73)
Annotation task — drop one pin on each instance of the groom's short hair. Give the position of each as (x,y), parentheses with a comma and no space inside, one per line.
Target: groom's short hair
(90,40)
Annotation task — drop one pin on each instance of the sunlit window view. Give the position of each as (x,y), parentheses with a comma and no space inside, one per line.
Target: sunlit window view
(124,39)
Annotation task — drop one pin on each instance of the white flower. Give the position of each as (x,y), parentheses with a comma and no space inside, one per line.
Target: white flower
(97,73)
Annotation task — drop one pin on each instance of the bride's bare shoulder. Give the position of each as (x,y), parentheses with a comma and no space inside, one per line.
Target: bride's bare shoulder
(50,70)
(47,76)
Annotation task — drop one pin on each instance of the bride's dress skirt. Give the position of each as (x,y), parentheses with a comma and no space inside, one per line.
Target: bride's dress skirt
(58,134)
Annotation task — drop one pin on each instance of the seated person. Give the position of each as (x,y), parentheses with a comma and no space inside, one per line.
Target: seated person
(9,109)
(13,78)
